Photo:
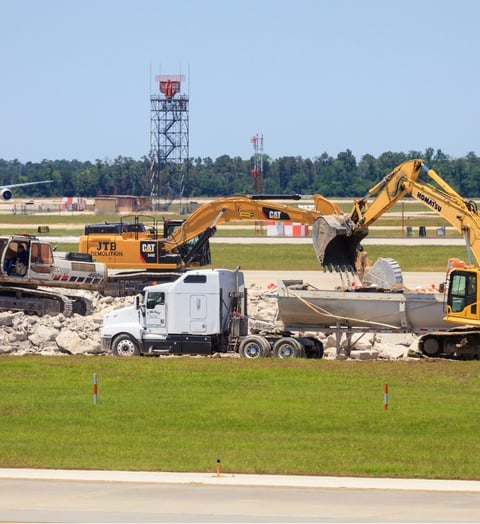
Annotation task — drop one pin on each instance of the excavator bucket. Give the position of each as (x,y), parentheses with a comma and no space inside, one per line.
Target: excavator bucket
(336,244)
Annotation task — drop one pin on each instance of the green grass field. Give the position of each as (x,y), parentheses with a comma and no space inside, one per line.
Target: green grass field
(302,417)
(301,257)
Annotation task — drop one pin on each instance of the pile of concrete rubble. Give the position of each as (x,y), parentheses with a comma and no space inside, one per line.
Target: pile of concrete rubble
(22,334)
(53,335)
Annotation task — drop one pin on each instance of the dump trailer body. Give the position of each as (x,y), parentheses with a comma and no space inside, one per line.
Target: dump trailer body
(301,307)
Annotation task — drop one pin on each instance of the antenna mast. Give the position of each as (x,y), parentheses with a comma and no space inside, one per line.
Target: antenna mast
(257,170)
(257,173)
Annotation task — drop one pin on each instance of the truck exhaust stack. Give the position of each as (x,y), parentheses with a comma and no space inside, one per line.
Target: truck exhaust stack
(336,244)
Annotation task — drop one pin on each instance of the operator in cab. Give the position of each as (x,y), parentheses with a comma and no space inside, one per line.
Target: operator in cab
(18,263)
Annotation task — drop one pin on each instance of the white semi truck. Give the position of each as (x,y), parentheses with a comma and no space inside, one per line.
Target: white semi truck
(202,312)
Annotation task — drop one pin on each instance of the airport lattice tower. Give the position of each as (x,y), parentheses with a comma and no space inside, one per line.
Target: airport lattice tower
(169,138)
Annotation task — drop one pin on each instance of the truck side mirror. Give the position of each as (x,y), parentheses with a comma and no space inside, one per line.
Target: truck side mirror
(139,304)
(138,301)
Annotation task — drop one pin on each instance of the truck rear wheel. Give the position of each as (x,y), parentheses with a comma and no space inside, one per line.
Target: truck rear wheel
(254,346)
(288,347)
(125,346)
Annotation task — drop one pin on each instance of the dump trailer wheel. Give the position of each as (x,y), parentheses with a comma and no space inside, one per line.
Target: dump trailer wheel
(431,346)
(125,346)
(314,348)
(288,347)
(254,346)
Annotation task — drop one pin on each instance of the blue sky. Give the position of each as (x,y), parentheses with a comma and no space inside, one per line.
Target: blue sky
(311,76)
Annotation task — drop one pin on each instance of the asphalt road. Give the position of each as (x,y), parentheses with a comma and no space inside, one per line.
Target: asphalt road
(83,496)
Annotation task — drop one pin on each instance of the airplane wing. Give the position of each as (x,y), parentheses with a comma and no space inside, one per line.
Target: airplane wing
(6,191)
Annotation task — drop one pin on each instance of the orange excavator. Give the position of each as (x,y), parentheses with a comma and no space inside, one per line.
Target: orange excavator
(139,250)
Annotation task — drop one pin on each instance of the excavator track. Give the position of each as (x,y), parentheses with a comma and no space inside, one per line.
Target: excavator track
(128,283)
(34,301)
(461,343)
(81,305)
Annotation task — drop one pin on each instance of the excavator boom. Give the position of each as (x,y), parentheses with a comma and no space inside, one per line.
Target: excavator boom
(243,207)
(337,236)
(324,220)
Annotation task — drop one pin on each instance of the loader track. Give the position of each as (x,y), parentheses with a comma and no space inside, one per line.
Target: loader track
(40,302)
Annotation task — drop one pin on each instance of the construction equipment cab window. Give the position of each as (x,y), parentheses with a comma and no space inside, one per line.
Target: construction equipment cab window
(155,299)
(16,259)
(463,291)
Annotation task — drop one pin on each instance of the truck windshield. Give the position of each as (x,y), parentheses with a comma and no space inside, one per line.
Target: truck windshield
(195,279)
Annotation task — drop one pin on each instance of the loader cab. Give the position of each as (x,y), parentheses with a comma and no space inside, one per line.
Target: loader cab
(25,256)
(15,256)
(462,297)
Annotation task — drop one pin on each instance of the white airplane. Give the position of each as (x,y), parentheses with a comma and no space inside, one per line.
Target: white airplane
(6,191)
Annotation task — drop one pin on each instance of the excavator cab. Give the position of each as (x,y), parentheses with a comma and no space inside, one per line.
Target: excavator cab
(196,251)
(336,243)
(462,306)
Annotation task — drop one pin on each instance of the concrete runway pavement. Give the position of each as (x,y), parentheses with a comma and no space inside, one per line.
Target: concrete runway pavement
(228,479)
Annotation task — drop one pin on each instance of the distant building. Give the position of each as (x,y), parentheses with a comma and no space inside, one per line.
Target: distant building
(105,205)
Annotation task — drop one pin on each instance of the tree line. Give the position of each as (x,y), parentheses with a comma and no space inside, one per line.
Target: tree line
(340,176)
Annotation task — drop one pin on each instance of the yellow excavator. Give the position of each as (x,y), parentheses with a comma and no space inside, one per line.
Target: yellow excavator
(337,236)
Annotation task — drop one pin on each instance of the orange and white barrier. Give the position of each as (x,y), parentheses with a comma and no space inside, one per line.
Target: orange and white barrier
(288,229)
(292,229)
(275,229)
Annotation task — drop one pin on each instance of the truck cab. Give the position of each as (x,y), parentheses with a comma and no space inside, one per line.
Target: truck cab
(199,313)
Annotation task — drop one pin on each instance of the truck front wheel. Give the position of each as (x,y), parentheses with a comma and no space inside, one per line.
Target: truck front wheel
(125,346)
(254,346)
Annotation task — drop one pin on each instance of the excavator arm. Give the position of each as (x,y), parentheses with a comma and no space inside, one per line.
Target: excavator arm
(208,216)
(336,237)
(460,213)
